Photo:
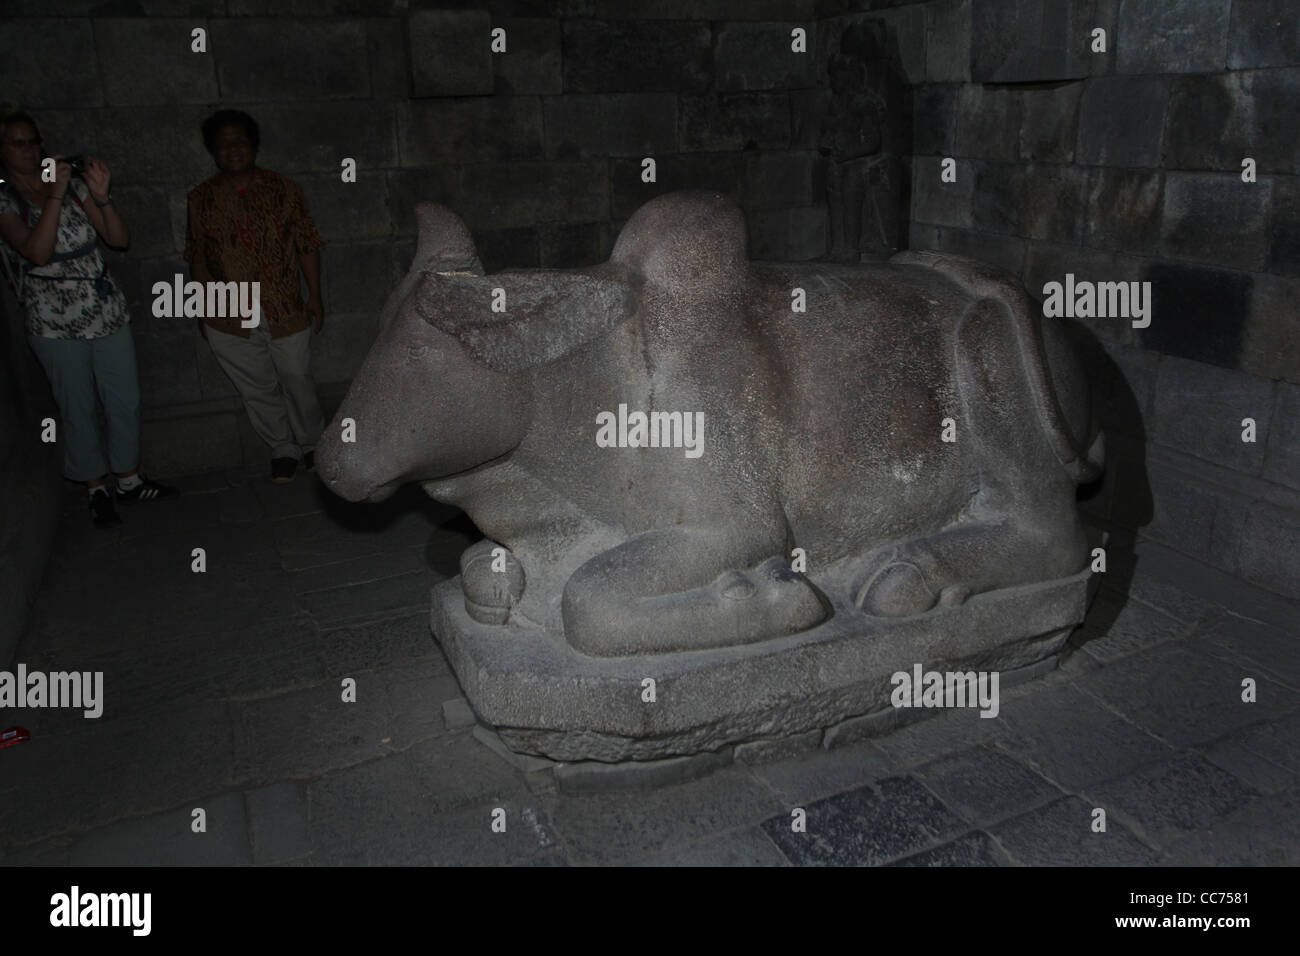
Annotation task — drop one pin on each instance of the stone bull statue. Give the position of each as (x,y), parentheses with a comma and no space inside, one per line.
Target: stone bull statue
(789,442)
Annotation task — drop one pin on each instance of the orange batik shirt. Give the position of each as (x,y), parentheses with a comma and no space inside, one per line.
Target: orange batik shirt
(254,235)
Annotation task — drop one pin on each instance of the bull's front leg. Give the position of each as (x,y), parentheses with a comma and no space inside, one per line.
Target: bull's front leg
(677,590)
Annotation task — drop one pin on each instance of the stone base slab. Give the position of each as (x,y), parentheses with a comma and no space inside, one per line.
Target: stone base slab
(546,699)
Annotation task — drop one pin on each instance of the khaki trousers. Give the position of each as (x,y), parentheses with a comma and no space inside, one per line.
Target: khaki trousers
(274,380)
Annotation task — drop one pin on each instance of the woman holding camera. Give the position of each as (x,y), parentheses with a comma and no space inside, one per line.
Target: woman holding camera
(77,321)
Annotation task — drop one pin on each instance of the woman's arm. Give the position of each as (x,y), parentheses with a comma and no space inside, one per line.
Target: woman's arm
(37,245)
(105,218)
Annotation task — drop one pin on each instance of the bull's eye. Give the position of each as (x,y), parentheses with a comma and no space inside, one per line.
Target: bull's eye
(416,352)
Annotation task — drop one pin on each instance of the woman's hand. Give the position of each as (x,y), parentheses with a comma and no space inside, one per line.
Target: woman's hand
(97,177)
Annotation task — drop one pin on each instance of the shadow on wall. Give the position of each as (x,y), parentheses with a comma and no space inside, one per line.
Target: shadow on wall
(31,486)
(1117,407)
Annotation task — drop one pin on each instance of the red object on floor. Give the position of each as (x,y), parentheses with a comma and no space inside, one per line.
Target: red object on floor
(14,735)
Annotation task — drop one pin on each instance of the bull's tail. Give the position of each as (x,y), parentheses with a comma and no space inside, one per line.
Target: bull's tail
(1055,375)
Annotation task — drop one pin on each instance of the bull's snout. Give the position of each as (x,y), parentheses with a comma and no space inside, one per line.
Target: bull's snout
(350,471)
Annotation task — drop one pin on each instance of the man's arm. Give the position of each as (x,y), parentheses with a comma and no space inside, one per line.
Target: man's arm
(310,263)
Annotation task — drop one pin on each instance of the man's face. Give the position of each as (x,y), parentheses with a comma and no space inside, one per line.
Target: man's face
(234,153)
(21,150)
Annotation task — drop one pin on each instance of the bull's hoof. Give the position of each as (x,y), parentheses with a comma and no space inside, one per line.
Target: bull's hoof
(897,590)
(493,581)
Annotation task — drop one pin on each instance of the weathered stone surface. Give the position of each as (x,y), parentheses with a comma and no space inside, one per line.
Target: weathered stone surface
(590,776)
(934,122)
(1049,122)
(1037,201)
(736,121)
(616,124)
(1060,834)
(304,137)
(139,52)
(724,172)
(1284,230)
(866,827)
(471,129)
(451,53)
(948,39)
(1187,37)
(1123,209)
(1282,443)
(988,122)
(1019,41)
(935,201)
(531,63)
(568,684)
(164,144)
(457,714)
(1183,696)
(525,194)
(299,60)
(348,212)
(1217,219)
(524,763)
(746,848)
(1120,121)
(1198,313)
(637,56)
(1251,537)
(1004,252)
(757,752)
(758,56)
(570,246)
(1275,105)
(48,62)
(905,28)
(972,849)
(984,786)
(1262,33)
(347,270)
(794,235)
(277,823)
(389,55)
(168,839)
(1199,409)
(1184,795)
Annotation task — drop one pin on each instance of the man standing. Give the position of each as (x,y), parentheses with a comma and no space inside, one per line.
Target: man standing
(251,225)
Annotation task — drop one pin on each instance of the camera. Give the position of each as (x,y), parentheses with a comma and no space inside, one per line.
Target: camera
(78,163)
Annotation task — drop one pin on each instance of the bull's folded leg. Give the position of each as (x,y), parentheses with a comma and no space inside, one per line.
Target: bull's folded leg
(676,590)
(943,569)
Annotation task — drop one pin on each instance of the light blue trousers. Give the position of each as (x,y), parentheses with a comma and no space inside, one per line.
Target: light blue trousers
(76,369)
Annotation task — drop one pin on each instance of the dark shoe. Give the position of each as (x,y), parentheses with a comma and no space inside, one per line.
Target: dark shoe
(101,508)
(283,470)
(309,461)
(147,490)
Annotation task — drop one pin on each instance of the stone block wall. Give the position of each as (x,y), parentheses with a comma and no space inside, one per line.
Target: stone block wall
(539,148)
(1126,165)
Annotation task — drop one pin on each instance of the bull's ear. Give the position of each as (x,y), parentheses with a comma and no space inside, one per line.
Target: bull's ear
(445,244)
(540,315)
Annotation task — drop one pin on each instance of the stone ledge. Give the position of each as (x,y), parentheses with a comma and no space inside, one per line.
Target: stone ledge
(546,699)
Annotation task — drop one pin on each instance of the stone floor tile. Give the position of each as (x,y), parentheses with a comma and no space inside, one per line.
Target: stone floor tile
(1185,697)
(970,849)
(1072,740)
(168,839)
(815,774)
(749,847)
(866,827)
(371,601)
(1134,627)
(1245,642)
(616,828)
(277,822)
(948,732)
(985,786)
(1167,801)
(1060,834)
(1265,832)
